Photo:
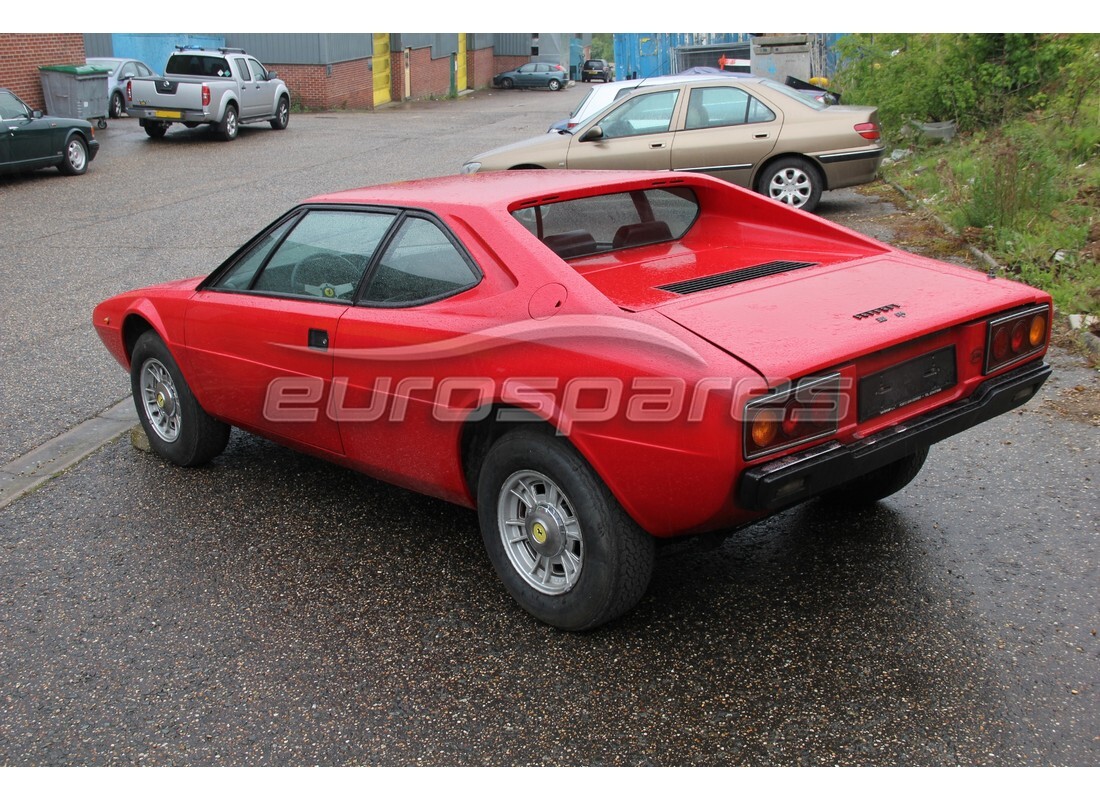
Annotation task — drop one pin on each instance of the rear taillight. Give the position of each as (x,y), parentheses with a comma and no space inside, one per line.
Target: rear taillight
(805,412)
(1015,337)
(129,91)
(869,130)
(572,125)
(205,95)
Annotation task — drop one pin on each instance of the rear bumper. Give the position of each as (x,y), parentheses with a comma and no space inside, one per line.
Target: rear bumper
(804,475)
(168,115)
(852,167)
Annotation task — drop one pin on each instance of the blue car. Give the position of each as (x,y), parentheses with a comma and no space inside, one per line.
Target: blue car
(536,74)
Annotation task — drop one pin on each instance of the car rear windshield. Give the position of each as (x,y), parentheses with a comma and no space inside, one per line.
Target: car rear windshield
(588,225)
(198,66)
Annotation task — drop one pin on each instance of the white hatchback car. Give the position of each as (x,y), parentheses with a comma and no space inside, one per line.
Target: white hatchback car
(602,95)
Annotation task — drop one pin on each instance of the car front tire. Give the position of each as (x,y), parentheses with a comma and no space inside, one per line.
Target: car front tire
(178,428)
(507,83)
(75,161)
(562,545)
(792,181)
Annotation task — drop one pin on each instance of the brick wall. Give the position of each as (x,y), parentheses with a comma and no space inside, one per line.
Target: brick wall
(430,77)
(350,84)
(21,54)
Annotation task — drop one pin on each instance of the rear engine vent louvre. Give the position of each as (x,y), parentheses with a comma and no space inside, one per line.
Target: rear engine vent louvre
(735,276)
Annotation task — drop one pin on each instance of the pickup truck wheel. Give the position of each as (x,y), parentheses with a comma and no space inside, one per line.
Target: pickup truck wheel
(118,107)
(282,115)
(229,125)
(874,486)
(178,428)
(154,130)
(75,161)
(563,546)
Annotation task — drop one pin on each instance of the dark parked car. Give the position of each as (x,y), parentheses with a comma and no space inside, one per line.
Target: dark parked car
(534,74)
(596,69)
(33,140)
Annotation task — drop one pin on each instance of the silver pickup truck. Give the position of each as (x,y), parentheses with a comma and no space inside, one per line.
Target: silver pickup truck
(223,88)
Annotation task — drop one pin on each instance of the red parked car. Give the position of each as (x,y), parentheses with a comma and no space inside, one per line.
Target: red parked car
(593,360)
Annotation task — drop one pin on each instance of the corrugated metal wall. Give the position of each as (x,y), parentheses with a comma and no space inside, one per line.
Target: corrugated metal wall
(442,44)
(512,44)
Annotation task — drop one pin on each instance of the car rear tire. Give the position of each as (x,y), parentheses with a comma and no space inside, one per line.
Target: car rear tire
(553,85)
(75,160)
(792,181)
(874,486)
(154,130)
(282,115)
(178,428)
(564,548)
(507,83)
(230,124)
(118,106)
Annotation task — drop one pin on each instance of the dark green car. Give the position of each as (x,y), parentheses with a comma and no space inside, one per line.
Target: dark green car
(30,140)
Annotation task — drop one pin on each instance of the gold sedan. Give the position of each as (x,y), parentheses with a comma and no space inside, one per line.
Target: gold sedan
(753,132)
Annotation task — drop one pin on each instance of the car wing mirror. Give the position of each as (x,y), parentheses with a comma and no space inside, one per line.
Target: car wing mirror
(36,114)
(592,134)
(272,75)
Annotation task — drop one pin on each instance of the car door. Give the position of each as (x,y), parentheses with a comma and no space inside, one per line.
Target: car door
(634,134)
(525,75)
(265,88)
(260,335)
(29,141)
(250,89)
(398,371)
(725,131)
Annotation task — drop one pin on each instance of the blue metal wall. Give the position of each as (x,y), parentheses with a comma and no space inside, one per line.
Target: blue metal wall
(154,48)
(644,55)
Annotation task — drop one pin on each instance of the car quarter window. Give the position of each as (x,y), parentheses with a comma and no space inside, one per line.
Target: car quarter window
(640,114)
(421,263)
(320,255)
(242,68)
(716,106)
(588,225)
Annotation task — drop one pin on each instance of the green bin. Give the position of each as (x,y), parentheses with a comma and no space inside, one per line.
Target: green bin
(77,92)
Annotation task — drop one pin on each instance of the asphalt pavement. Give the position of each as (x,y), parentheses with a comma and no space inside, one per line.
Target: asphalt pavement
(273,609)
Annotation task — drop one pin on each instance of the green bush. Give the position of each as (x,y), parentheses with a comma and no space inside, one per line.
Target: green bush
(1022,180)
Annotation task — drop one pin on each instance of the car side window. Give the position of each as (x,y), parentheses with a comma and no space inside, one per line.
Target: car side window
(258,71)
(641,114)
(10,107)
(321,255)
(142,70)
(717,106)
(242,69)
(421,263)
